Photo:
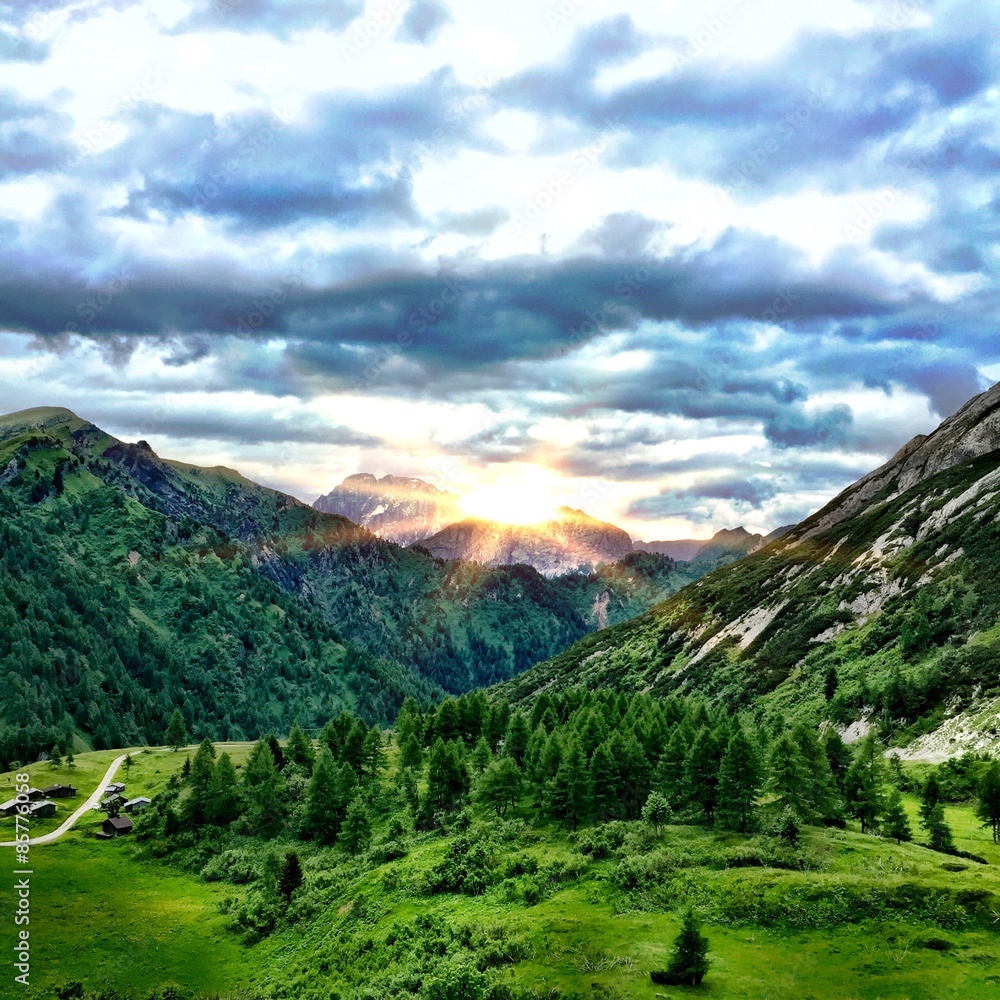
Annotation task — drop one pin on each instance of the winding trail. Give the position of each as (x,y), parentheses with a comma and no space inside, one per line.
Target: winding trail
(68,824)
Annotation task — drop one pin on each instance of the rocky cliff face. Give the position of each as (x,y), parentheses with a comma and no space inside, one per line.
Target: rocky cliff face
(572,541)
(396,508)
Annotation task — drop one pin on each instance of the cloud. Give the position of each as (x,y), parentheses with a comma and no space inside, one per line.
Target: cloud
(423,21)
(274,17)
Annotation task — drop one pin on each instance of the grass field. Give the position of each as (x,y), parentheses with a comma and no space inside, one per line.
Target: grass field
(104,916)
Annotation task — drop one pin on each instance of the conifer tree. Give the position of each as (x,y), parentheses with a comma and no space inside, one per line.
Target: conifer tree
(372,756)
(299,750)
(499,786)
(669,775)
(938,831)
(988,799)
(656,811)
(570,800)
(176,735)
(822,798)
(863,785)
(515,742)
(739,785)
(895,824)
(225,801)
(197,806)
(481,755)
(323,814)
(289,875)
(356,831)
(789,780)
(411,754)
(604,784)
(838,757)
(276,752)
(689,958)
(701,775)
(262,785)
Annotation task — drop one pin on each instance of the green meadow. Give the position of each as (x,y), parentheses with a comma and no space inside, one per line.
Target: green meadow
(845,927)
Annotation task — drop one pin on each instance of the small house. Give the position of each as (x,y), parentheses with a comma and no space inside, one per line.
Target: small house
(137,804)
(34,794)
(42,809)
(115,788)
(117,826)
(60,792)
(8,808)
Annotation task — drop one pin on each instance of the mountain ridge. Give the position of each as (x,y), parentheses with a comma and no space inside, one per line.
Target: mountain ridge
(881,609)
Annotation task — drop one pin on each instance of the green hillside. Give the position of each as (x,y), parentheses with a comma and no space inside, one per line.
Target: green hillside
(459,864)
(884,607)
(131,585)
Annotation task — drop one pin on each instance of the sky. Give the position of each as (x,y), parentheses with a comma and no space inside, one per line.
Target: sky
(682,265)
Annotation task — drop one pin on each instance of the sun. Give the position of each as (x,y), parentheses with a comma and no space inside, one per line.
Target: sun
(513,503)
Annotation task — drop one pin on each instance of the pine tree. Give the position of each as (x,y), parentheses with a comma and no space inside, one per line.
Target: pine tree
(372,756)
(356,831)
(689,959)
(299,750)
(499,786)
(838,757)
(929,797)
(669,775)
(988,799)
(863,785)
(938,831)
(276,752)
(197,806)
(481,755)
(831,683)
(289,875)
(739,784)
(656,811)
(323,814)
(411,754)
(515,742)
(176,735)
(701,775)
(895,824)
(225,801)
(570,801)
(604,784)
(822,799)
(789,781)
(262,787)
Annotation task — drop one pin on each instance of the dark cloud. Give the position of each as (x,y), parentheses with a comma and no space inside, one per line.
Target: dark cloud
(274,17)
(423,21)
(750,494)
(792,428)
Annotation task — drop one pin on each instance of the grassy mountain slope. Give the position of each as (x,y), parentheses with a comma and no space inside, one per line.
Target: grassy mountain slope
(886,603)
(132,584)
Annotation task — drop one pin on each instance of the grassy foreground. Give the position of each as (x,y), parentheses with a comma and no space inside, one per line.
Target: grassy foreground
(581,923)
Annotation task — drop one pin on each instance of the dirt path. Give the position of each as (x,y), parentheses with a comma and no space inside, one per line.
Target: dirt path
(70,822)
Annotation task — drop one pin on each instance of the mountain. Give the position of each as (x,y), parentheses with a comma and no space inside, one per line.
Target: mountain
(883,608)
(571,541)
(681,549)
(726,545)
(130,584)
(400,509)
